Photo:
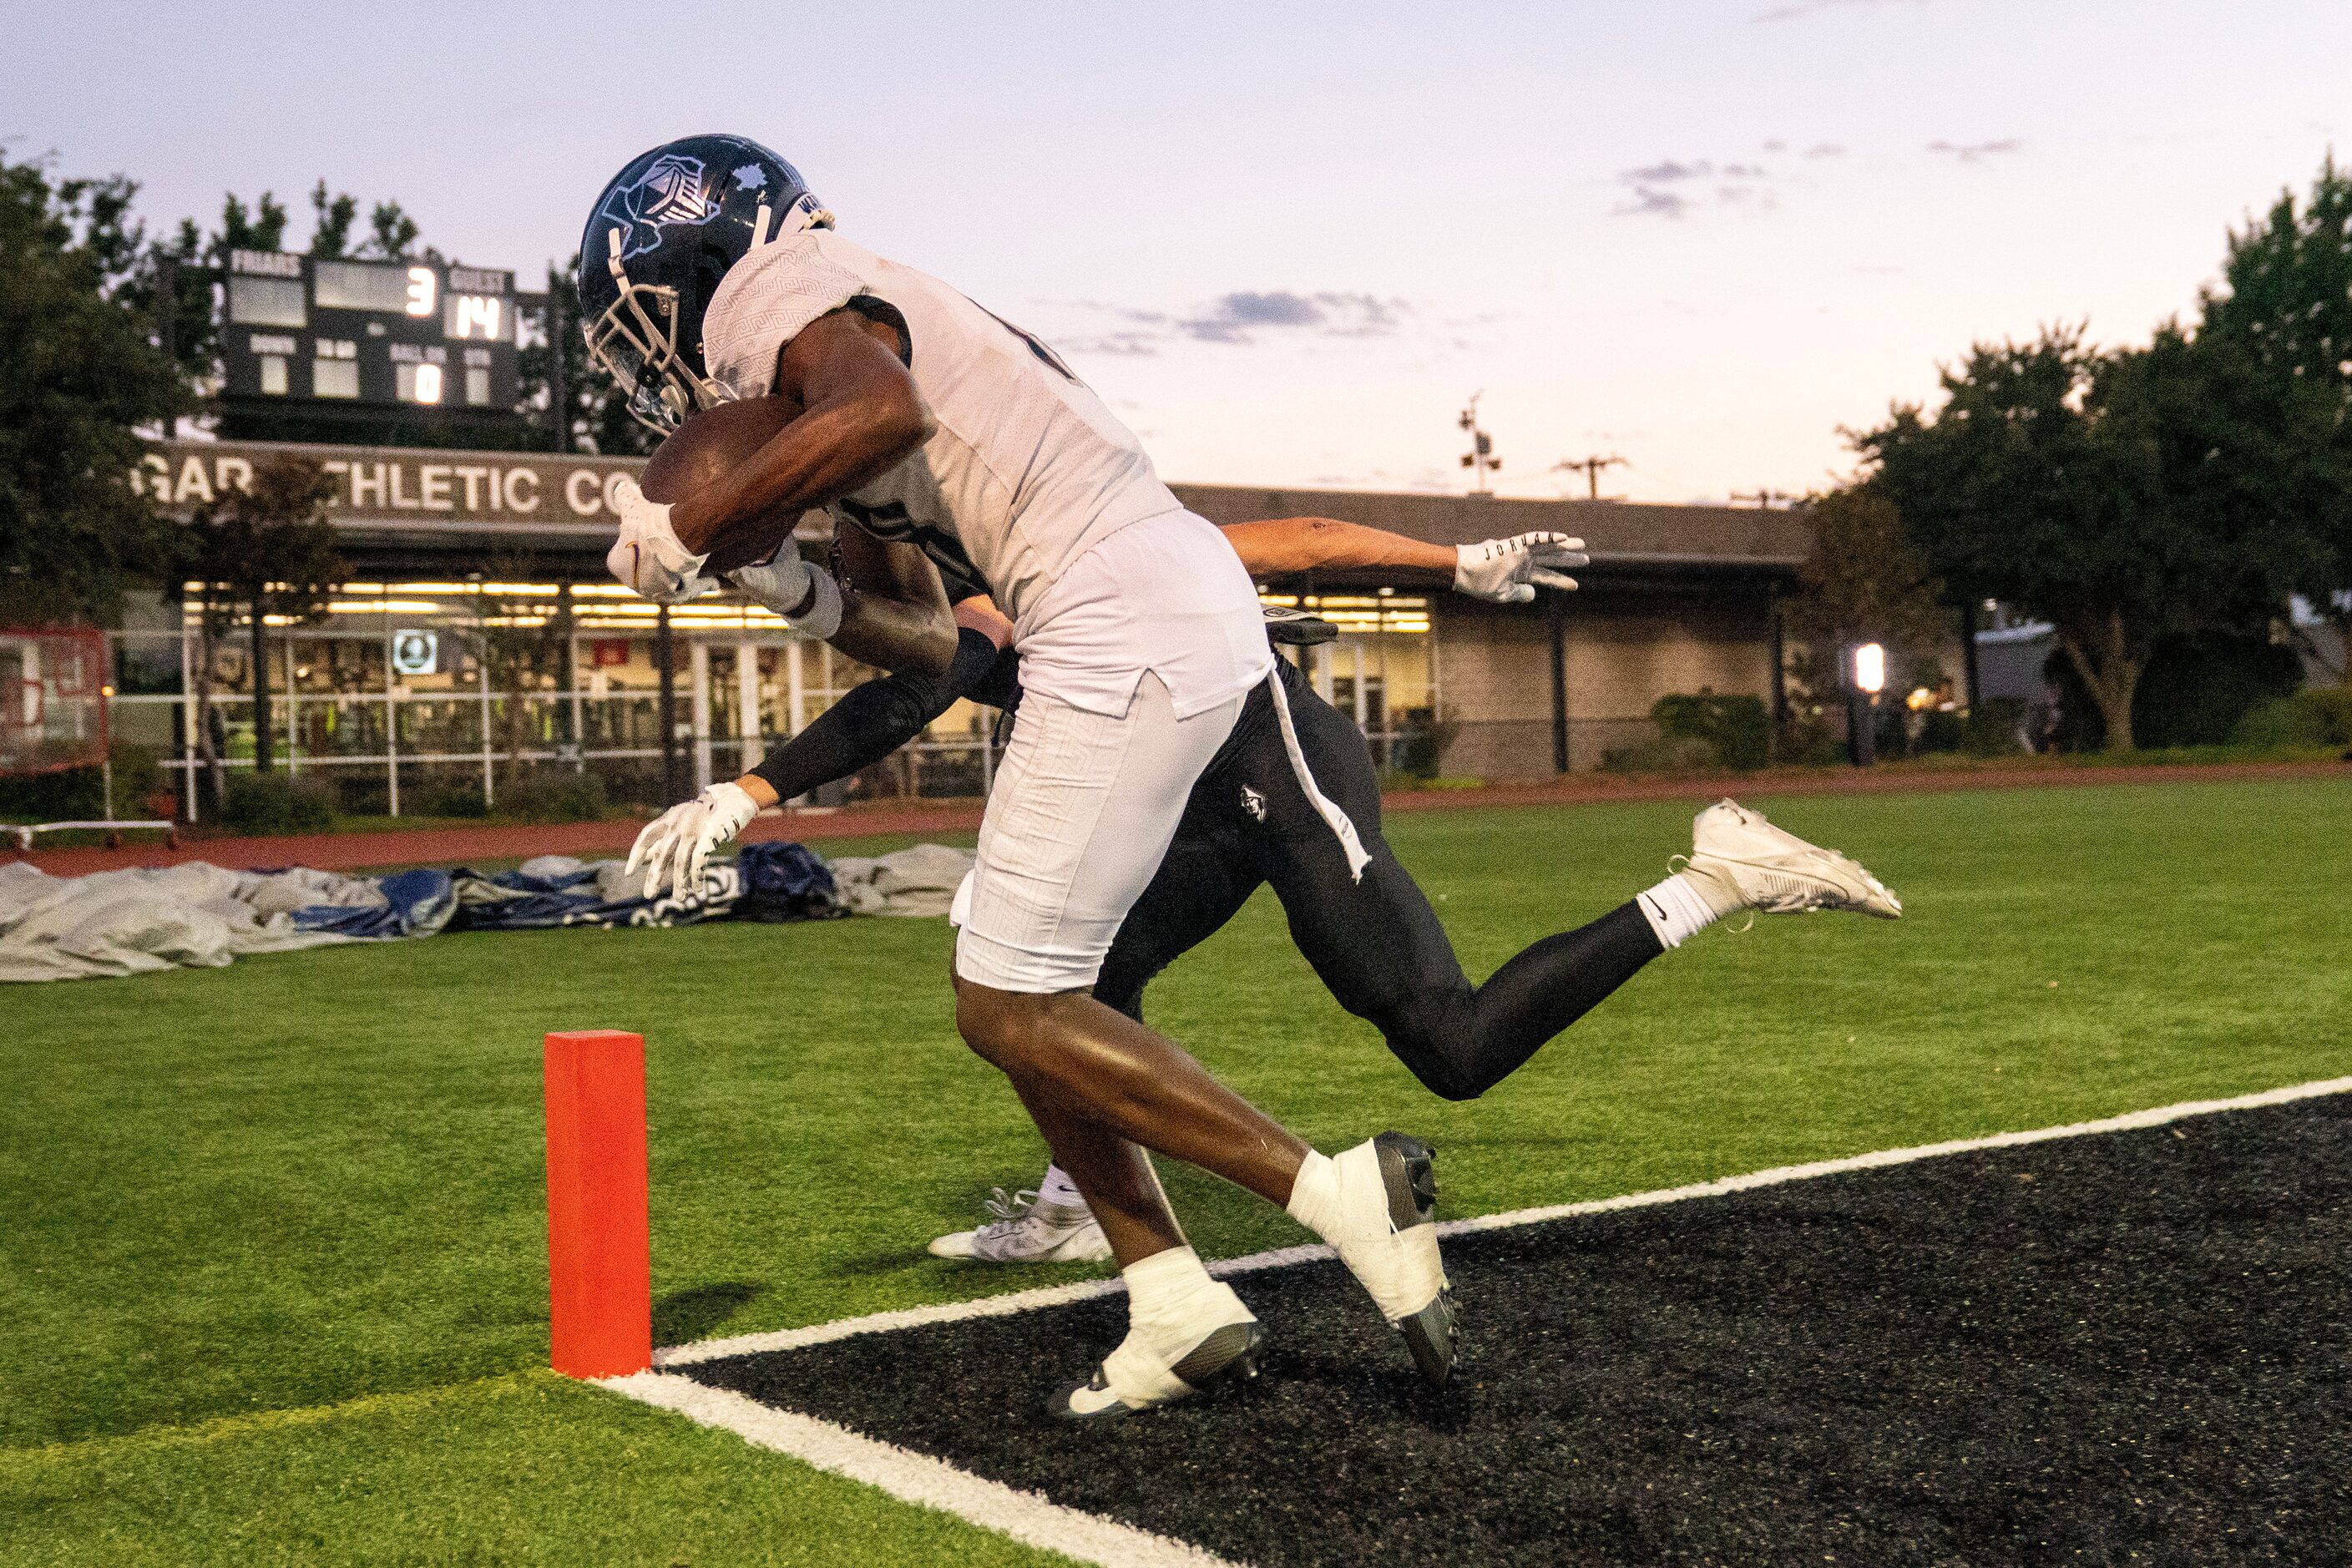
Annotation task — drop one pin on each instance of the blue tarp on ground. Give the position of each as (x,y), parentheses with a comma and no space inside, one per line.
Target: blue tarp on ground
(415,903)
(196,915)
(556,890)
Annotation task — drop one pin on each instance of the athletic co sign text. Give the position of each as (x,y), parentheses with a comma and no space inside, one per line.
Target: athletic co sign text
(389,483)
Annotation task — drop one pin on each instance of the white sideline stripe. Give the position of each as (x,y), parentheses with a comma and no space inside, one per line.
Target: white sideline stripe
(1283,1257)
(916,1478)
(883,1322)
(2129,1122)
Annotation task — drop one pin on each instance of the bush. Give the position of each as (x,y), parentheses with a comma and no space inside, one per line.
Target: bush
(451,800)
(69,794)
(1421,752)
(1991,729)
(269,804)
(2334,703)
(1736,729)
(78,795)
(2321,718)
(1666,754)
(554,794)
(1940,731)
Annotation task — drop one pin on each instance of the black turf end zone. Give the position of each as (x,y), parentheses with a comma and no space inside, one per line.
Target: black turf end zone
(2125,1348)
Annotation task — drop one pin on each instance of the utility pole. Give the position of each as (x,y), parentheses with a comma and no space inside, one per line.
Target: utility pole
(558,391)
(1480,459)
(1764,498)
(1590,469)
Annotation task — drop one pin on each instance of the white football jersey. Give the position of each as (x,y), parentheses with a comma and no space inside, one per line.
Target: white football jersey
(1027,469)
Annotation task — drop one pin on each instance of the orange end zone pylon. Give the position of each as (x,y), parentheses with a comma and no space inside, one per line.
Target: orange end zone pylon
(599,1241)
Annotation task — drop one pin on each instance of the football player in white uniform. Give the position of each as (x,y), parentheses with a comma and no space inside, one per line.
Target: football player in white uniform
(708,272)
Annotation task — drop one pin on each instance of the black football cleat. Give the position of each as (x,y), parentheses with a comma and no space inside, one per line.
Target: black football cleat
(1228,1354)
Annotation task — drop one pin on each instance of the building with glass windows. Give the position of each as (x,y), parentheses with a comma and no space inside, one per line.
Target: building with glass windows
(480,638)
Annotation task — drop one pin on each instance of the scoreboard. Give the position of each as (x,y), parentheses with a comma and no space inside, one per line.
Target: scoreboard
(421,338)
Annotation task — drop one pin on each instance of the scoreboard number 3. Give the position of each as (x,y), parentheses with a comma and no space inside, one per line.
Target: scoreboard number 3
(424,290)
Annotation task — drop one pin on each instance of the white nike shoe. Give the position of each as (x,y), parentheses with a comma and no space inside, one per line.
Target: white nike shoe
(1778,873)
(1027,1231)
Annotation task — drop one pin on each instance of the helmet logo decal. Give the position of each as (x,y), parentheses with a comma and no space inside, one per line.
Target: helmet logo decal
(671,191)
(750,177)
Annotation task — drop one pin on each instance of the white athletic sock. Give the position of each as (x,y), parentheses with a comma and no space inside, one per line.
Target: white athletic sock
(1059,1189)
(1173,1305)
(1682,906)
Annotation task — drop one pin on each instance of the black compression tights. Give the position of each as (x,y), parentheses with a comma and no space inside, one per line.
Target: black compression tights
(1376,943)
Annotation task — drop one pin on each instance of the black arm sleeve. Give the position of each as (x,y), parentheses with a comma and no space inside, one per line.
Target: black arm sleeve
(872,720)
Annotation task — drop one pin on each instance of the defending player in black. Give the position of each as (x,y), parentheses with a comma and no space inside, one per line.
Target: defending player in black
(1368,932)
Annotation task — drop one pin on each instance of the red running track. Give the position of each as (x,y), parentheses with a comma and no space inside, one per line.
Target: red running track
(461,845)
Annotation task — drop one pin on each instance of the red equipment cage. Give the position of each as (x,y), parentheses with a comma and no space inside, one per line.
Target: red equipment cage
(53,692)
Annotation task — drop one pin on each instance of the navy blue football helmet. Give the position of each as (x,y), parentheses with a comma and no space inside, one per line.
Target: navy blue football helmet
(663,232)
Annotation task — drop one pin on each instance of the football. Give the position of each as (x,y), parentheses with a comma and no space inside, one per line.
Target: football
(701,450)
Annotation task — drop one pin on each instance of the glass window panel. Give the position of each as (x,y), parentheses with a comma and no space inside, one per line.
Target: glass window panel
(353,286)
(266,303)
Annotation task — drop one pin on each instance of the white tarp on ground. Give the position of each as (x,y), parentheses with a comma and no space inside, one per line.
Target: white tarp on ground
(201,916)
(920,881)
(124,922)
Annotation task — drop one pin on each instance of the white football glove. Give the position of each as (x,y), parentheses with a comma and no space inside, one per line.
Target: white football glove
(648,555)
(1509,571)
(676,846)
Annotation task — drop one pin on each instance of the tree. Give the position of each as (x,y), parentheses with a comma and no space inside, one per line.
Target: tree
(253,554)
(332,220)
(2084,488)
(2286,305)
(77,375)
(1867,580)
(598,418)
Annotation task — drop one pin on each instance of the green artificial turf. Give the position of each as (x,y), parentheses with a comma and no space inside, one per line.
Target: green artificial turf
(315,1179)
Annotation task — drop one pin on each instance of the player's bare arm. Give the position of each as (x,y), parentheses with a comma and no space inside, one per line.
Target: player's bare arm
(861,415)
(1506,570)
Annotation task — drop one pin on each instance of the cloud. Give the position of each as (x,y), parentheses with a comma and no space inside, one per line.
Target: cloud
(1977,151)
(1235,318)
(1825,150)
(1667,188)
(1648,202)
(1667,173)
(1242,316)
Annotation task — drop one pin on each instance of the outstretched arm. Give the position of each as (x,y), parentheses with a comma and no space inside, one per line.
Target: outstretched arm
(870,722)
(1283,545)
(1503,570)
(866,726)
